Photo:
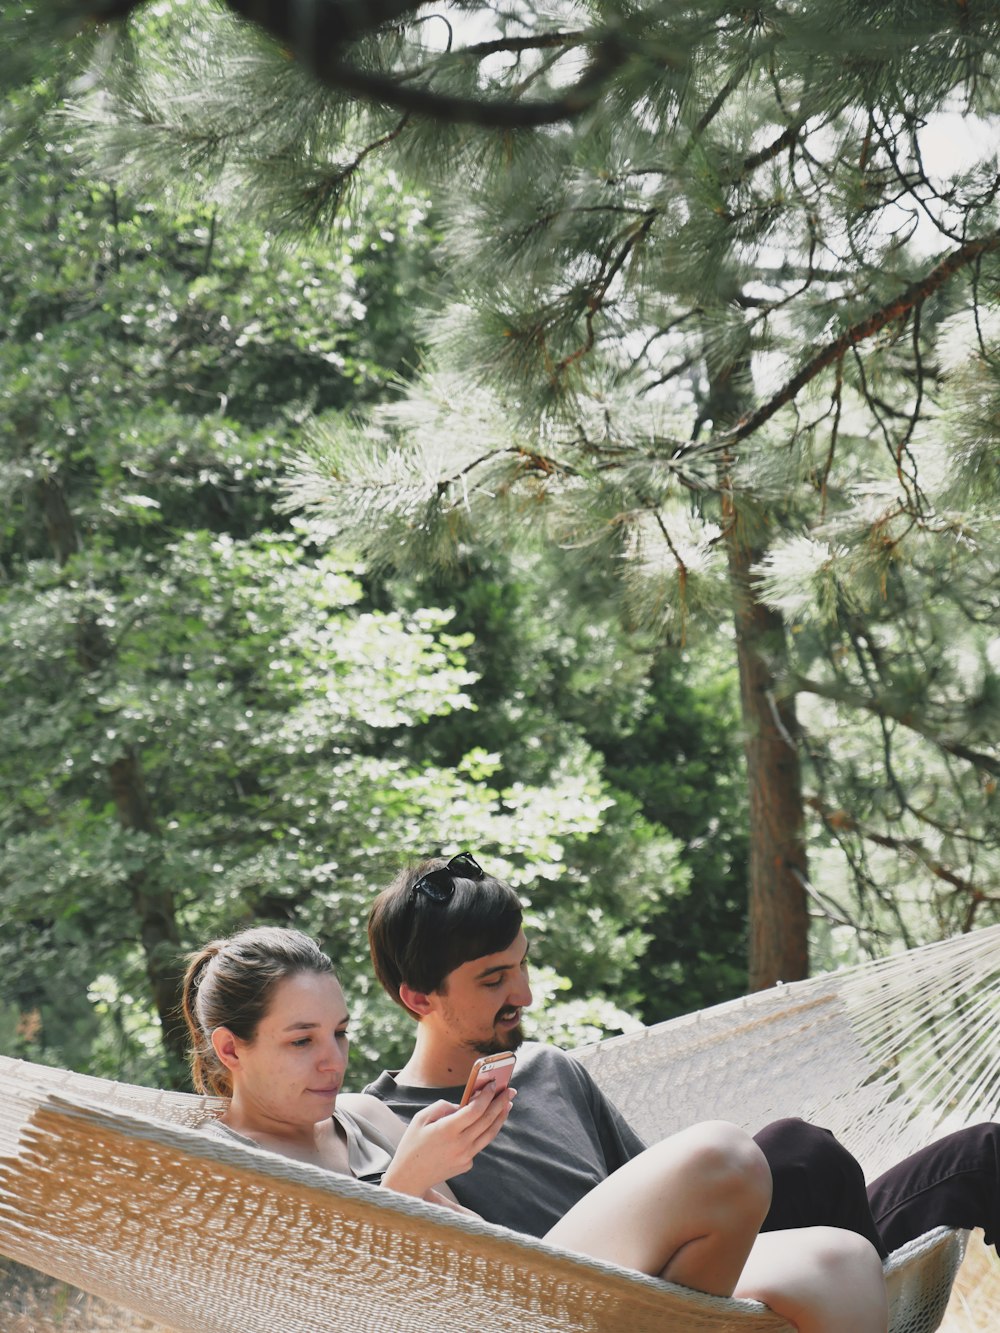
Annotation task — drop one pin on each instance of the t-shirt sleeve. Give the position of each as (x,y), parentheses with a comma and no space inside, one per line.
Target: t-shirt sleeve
(619,1141)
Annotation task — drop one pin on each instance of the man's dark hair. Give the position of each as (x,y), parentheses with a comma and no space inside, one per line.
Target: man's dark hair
(416,940)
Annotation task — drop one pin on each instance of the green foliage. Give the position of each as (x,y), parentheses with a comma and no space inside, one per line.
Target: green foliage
(291,728)
(186,688)
(682,760)
(662,879)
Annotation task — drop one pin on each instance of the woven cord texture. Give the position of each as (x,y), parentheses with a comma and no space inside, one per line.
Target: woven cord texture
(889,1054)
(137,1214)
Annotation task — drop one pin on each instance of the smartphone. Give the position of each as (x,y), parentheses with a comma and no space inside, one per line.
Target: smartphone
(496,1067)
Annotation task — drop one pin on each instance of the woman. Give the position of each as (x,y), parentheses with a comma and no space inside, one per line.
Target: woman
(268,1025)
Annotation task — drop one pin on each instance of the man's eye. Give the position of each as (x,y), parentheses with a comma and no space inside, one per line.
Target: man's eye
(493,985)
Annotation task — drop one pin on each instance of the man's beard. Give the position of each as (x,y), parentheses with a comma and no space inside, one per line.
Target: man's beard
(510,1041)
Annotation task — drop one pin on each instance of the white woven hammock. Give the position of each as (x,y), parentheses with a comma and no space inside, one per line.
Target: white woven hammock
(113,1188)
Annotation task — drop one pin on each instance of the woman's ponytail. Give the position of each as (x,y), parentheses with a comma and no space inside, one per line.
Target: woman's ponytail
(208,1074)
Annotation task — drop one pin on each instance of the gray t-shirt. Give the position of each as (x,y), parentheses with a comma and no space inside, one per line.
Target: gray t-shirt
(561,1139)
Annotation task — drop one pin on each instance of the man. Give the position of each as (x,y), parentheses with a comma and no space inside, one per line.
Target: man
(448,945)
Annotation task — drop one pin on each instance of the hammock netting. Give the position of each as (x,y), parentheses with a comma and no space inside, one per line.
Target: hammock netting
(114,1188)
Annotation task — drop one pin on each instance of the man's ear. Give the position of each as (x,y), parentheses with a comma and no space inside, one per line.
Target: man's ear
(224,1045)
(418,1002)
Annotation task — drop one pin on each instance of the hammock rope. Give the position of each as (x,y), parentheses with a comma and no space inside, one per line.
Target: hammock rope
(113,1188)
(889,1054)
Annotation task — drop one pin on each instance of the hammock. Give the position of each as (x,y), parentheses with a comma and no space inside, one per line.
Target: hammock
(114,1189)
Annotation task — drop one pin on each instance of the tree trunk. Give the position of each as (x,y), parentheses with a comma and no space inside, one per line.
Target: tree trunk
(778,917)
(152,900)
(777,909)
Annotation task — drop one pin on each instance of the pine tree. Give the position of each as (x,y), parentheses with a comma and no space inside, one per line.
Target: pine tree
(721,292)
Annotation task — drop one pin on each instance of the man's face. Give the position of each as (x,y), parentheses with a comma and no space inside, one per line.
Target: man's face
(479,1004)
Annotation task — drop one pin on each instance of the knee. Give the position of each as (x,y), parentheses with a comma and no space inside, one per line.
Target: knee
(731,1166)
(820,1278)
(798,1136)
(844,1255)
(796,1143)
(985,1135)
(848,1263)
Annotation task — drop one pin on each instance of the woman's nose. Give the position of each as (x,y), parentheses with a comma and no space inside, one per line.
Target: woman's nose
(332,1057)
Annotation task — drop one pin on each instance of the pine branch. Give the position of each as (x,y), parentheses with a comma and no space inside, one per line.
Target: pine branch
(318,31)
(856,856)
(772,150)
(528,462)
(542,41)
(716,105)
(299,23)
(500,115)
(883,707)
(832,911)
(840,821)
(909,300)
(636,234)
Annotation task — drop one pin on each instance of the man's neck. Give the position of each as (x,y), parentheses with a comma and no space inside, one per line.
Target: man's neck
(436,1063)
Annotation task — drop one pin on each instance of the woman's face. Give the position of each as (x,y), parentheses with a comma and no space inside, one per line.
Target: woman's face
(292,1070)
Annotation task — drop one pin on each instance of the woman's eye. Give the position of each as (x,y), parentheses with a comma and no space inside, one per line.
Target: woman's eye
(302,1041)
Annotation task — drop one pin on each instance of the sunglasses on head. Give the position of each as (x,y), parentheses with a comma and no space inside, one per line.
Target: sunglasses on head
(439,885)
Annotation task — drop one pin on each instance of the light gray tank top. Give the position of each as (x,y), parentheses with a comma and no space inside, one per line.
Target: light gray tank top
(369,1152)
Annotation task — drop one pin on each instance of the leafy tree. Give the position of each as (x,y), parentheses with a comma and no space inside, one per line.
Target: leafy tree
(259,705)
(209,722)
(554,661)
(134,352)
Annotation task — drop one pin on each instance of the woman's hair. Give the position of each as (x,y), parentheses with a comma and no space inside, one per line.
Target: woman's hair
(416,940)
(229,983)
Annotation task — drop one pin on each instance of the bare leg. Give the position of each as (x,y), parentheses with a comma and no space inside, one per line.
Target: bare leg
(821,1279)
(688,1209)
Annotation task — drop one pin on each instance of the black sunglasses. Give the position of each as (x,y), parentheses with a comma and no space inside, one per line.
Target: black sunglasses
(439,885)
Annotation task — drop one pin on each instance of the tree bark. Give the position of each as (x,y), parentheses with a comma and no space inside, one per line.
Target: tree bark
(152,899)
(778,919)
(778,916)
